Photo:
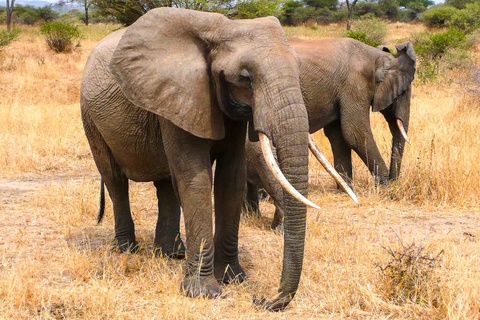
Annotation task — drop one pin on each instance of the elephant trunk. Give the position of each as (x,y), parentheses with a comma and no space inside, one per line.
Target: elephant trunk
(280,114)
(400,111)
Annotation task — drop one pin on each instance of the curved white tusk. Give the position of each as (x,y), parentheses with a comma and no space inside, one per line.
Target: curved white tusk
(402,130)
(277,173)
(330,169)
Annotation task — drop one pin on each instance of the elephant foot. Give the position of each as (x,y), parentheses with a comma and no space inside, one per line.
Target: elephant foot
(175,252)
(129,246)
(205,287)
(229,273)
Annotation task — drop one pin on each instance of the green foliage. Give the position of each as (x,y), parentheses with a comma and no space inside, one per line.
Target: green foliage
(362,36)
(7,37)
(459,4)
(467,19)
(370,30)
(30,15)
(389,9)
(313,15)
(249,9)
(126,11)
(434,45)
(408,3)
(439,51)
(60,36)
(329,4)
(438,16)
(289,9)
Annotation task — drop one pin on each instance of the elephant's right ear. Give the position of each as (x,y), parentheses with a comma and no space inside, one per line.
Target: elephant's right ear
(161,66)
(393,75)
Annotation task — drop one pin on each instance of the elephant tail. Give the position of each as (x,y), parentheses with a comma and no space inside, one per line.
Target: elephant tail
(101,206)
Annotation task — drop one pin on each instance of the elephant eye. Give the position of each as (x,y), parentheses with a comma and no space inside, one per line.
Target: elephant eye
(245,75)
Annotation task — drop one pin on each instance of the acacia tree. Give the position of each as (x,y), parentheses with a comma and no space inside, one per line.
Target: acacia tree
(10,5)
(350,5)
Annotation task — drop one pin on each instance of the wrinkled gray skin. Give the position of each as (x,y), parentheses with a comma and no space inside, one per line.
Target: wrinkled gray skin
(170,95)
(341,79)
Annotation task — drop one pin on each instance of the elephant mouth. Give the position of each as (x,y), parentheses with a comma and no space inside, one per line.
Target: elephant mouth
(234,109)
(238,110)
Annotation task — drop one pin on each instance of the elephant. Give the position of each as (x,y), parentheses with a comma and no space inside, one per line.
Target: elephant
(176,91)
(340,79)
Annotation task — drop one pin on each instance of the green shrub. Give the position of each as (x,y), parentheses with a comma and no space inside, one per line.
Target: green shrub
(411,275)
(456,59)
(7,37)
(371,31)
(437,52)
(362,36)
(434,45)
(248,9)
(438,16)
(467,19)
(60,36)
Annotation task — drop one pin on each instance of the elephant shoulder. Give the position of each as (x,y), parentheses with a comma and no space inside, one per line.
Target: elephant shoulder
(96,74)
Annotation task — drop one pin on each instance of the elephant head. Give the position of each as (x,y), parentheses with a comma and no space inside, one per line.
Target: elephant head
(393,76)
(201,70)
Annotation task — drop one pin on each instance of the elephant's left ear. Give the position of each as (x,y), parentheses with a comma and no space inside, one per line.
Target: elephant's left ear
(393,75)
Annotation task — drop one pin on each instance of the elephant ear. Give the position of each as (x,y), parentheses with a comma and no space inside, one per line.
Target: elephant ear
(393,75)
(161,65)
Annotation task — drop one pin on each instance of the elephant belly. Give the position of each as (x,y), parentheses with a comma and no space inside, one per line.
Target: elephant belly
(134,137)
(143,165)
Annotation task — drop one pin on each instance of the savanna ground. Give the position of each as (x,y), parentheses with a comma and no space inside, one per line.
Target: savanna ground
(55,262)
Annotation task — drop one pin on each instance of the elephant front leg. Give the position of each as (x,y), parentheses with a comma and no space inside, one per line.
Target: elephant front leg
(229,190)
(342,153)
(190,165)
(357,132)
(167,233)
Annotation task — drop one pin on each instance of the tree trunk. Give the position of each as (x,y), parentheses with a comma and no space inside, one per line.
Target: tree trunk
(9,12)
(350,13)
(86,15)
(349,19)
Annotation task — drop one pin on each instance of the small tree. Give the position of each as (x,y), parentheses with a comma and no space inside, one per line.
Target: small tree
(60,36)
(87,4)
(10,5)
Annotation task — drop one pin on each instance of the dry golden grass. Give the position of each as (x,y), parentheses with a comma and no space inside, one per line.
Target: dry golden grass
(56,263)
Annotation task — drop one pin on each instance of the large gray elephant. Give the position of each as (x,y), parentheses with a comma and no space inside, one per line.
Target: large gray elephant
(165,98)
(341,79)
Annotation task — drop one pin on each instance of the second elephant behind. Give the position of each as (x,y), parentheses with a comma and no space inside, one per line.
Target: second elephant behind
(341,79)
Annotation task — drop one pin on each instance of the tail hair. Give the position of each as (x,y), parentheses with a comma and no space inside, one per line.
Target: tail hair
(101,206)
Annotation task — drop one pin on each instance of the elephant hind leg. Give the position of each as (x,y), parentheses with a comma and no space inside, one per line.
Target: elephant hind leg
(251,202)
(117,186)
(167,233)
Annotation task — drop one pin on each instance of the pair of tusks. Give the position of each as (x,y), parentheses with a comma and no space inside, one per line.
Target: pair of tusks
(275,169)
(402,130)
